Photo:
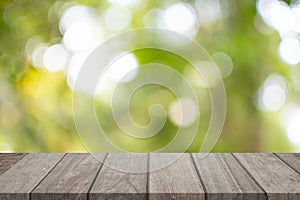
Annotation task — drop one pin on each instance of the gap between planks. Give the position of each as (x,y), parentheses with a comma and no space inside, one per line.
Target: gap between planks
(285,162)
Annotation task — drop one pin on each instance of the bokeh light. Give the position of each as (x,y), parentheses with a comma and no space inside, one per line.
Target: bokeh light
(82,29)
(74,66)
(37,56)
(73,15)
(207,77)
(284,19)
(272,94)
(55,58)
(183,112)
(119,68)
(208,12)
(117,18)
(224,63)
(83,36)
(185,22)
(293,127)
(125,2)
(289,49)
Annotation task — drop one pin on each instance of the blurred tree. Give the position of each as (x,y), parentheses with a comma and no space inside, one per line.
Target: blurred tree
(36,97)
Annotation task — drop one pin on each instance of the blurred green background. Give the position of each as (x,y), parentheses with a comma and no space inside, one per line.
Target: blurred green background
(254,43)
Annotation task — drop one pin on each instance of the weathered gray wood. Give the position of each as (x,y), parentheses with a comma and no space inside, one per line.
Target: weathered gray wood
(113,183)
(71,178)
(273,175)
(224,178)
(19,180)
(178,180)
(9,159)
(292,159)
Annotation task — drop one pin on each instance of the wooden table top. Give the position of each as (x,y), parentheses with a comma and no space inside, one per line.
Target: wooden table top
(216,176)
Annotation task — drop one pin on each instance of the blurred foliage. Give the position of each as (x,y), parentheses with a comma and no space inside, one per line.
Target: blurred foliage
(36,105)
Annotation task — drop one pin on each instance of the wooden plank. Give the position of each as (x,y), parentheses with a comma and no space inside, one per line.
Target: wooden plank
(74,176)
(70,179)
(224,178)
(292,159)
(113,182)
(277,179)
(177,181)
(9,159)
(19,180)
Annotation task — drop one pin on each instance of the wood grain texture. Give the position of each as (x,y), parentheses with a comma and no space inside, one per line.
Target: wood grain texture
(19,180)
(292,159)
(113,182)
(70,179)
(216,176)
(176,181)
(9,159)
(274,176)
(224,178)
